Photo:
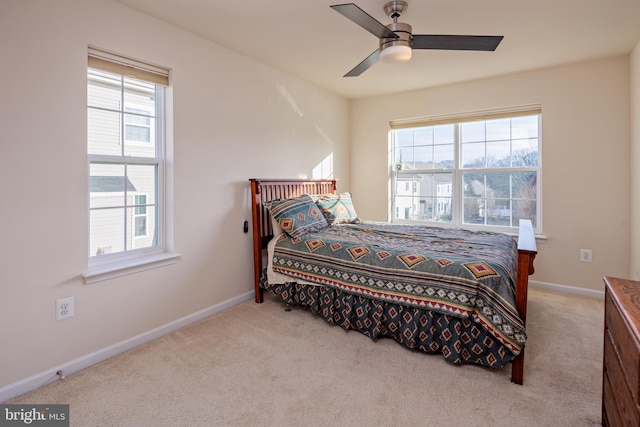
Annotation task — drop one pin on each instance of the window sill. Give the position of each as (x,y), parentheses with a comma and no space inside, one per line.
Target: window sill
(98,273)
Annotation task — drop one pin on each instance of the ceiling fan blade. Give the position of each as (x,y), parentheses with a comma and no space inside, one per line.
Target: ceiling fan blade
(362,18)
(434,41)
(364,65)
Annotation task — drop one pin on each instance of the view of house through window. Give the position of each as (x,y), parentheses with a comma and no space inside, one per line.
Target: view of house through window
(125,150)
(481,172)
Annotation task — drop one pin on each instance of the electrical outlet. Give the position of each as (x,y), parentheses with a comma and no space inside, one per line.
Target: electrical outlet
(64,308)
(586,255)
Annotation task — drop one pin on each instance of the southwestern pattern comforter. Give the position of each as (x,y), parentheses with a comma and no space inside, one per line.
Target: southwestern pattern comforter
(441,290)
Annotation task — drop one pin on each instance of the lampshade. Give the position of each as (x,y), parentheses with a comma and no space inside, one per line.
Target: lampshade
(395,53)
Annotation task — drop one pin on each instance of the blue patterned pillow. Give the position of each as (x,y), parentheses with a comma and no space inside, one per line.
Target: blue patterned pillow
(298,215)
(337,208)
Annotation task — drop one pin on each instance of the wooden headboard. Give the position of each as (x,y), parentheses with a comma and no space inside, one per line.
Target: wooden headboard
(264,190)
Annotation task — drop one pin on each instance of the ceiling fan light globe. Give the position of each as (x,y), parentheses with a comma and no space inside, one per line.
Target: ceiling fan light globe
(395,54)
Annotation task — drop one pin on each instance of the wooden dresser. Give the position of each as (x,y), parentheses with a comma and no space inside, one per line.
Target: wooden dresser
(621,372)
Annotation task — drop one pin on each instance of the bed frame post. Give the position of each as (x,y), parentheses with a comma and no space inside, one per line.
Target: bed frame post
(527,251)
(257,238)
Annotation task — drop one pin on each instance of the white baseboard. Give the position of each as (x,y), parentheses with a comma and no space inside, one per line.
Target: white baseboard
(567,289)
(45,377)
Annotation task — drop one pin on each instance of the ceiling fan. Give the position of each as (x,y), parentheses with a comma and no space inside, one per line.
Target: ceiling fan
(397,41)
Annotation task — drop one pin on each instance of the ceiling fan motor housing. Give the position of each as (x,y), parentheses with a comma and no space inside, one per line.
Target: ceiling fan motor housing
(403,31)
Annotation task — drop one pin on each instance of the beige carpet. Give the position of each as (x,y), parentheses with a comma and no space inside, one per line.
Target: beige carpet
(258,365)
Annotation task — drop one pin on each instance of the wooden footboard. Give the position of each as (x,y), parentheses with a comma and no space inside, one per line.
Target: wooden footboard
(263,190)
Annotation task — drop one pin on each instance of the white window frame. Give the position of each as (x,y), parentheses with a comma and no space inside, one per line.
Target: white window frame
(111,265)
(457,171)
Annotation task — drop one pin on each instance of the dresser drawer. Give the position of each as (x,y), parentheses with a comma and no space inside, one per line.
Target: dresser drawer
(626,407)
(610,413)
(626,346)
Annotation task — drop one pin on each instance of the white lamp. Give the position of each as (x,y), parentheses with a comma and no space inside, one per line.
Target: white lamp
(397,53)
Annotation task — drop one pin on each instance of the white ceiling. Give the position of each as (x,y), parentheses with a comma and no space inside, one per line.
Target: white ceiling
(309,40)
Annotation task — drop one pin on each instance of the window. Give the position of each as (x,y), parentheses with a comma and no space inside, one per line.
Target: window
(125,147)
(469,172)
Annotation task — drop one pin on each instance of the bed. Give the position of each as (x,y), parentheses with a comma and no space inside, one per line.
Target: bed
(456,292)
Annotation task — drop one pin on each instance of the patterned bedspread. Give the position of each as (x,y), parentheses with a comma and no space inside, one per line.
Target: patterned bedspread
(466,274)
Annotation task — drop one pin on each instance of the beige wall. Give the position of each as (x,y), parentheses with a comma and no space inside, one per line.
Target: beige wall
(635,163)
(585,158)
(233,119)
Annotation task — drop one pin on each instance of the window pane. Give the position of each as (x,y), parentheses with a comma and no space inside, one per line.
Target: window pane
(473,155)
(137,126)
(524,127)
(498,129)
(423,157)
(474,201)
(107,185)
(107,231)
(103,132)
(525,185)
(140,140)
(443,156)
(104,90)
(404,156)
(426,197)
(109,102)
(423,136)
(140,124)
(116,189)
(498,154)
(524,209)
(472,132)
(406,207)
(144,179)
(498,184)
(498,212)
(141,229)
(473,210)
(404,138)
(444,134)
(525,152)
(139,95)
(474,185)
